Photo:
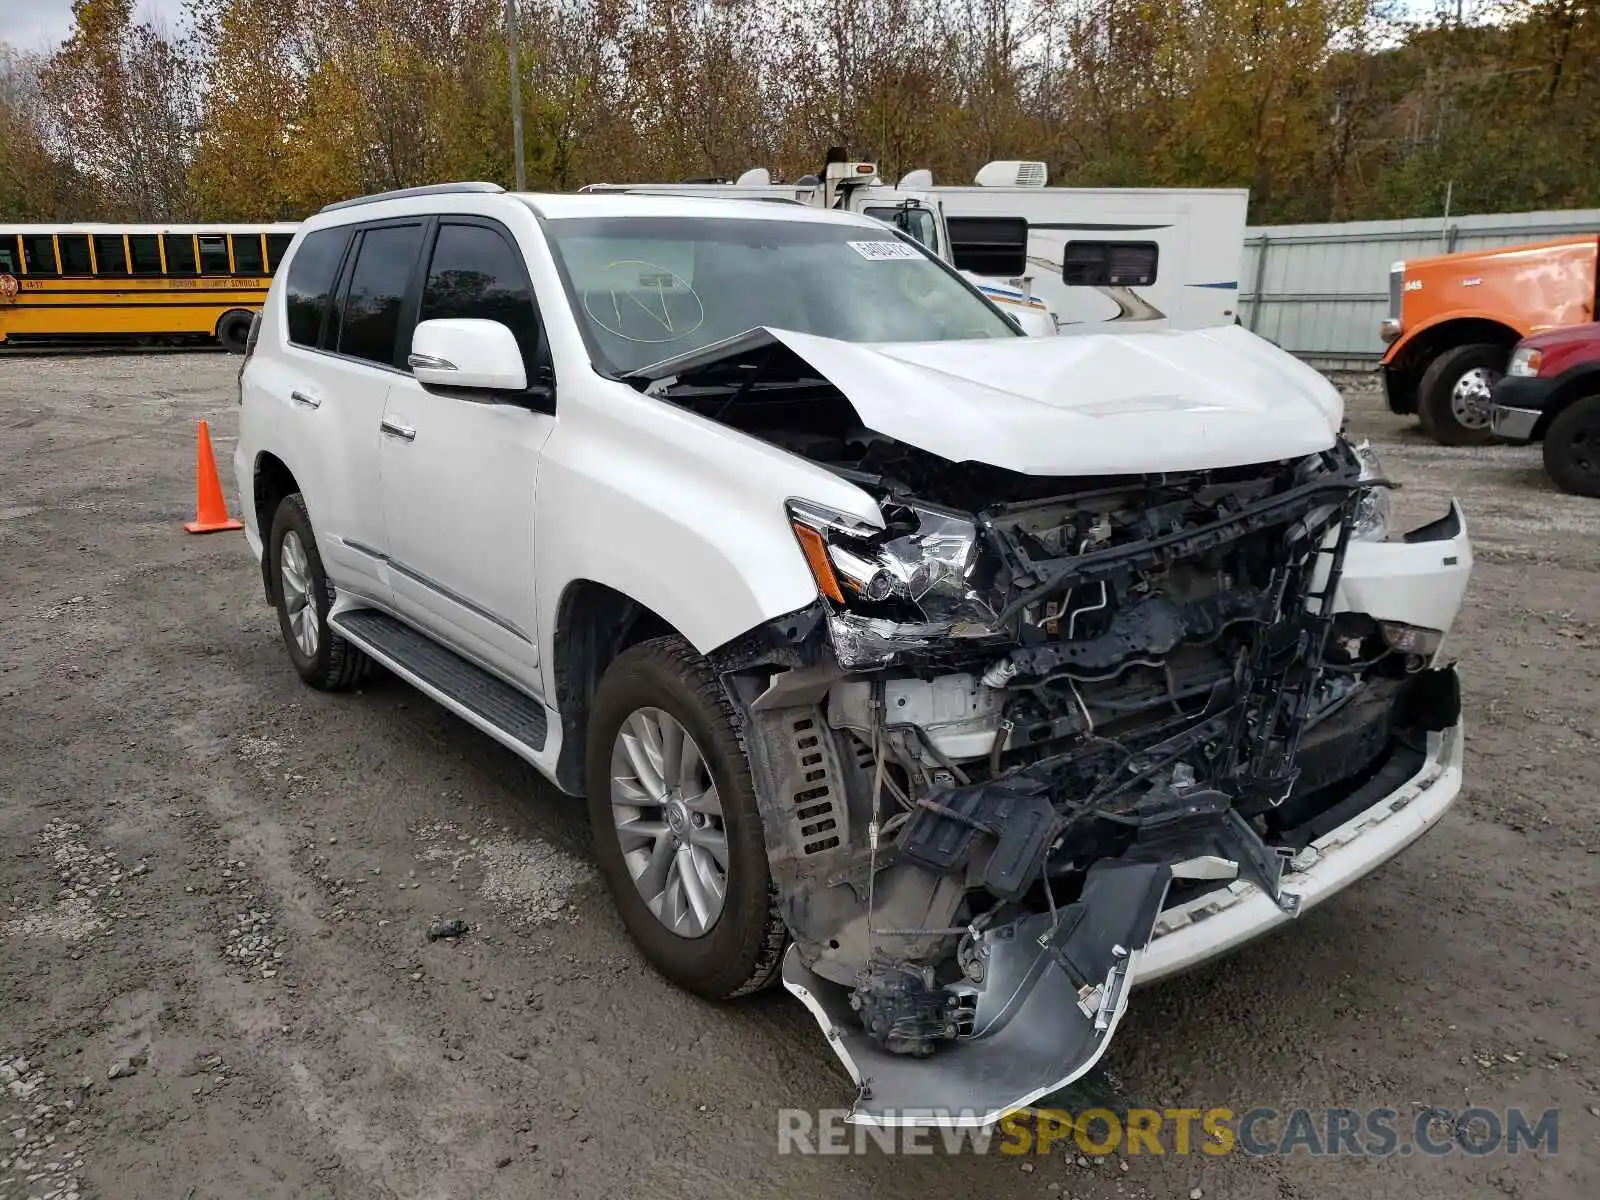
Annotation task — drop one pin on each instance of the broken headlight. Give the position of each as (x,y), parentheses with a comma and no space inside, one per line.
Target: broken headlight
(918,569)
(1372,510)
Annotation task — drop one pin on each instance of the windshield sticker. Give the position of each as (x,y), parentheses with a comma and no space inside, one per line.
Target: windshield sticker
(884,251)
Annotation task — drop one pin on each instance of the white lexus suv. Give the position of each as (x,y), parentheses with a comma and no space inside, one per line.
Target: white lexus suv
(960,679)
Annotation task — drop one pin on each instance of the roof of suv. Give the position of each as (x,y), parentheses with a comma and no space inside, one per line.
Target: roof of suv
(443,198)
(557,206)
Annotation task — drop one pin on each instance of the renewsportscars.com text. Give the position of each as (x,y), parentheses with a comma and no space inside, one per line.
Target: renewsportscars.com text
(1258,1132)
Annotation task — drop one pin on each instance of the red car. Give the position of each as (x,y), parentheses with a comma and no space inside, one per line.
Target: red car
(1551,393)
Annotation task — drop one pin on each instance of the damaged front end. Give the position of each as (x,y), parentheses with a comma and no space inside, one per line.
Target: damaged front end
(1031,714)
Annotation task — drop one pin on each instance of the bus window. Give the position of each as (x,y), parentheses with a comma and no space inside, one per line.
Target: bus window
(39,254)
(110,255)
(247,258)
(10,256)
(214,255)
(144,254)
(74,249)
(277,243)
(180,253)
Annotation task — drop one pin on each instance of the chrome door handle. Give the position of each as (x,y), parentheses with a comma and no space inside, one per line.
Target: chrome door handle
(404,432)
(305,399)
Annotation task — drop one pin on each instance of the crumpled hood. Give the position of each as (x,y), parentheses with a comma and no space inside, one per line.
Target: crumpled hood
(1089,404)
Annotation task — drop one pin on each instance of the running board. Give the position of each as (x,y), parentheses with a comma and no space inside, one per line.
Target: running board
(512,718)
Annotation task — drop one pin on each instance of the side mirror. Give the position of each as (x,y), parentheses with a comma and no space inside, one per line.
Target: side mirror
(461,352)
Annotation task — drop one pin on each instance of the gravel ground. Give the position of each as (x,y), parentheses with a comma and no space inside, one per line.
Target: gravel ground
(216,886)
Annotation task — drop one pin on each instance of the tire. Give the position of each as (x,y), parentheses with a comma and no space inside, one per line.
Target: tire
(1572,448)
(233,331)
(331,663)
(739,950)
(1471,369)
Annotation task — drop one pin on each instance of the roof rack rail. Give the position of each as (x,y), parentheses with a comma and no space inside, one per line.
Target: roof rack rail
(432,189)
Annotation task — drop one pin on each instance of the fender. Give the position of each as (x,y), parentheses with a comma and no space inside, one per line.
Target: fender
(1417,578)
(678,513)
(1462,314)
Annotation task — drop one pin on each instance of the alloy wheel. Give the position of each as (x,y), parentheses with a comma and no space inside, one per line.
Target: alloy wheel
(295,577)
(669,822)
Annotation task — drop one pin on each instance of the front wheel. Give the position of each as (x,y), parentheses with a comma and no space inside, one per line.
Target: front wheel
(1572,448)
(1453,398)
(677,835)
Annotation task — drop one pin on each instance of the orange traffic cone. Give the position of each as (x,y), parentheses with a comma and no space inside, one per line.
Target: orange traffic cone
(211,514)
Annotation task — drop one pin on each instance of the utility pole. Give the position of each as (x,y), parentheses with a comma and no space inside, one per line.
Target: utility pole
(512,31)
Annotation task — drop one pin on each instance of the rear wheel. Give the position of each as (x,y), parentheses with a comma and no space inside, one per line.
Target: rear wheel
(233,330)
(1453,396)
(303,596)
(676,832)
(1572,448)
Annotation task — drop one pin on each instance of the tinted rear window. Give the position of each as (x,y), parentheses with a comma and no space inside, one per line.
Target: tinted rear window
(995,246)
(1109,264)
(384,262)
(311,277)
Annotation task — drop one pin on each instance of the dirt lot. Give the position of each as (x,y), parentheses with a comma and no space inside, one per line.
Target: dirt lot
(215,885)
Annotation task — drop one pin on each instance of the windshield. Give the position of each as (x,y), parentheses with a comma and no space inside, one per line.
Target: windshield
(913,218)
(650,288)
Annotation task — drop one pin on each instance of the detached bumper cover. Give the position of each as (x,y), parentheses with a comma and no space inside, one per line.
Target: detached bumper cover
(1213,924)
(1044,1044)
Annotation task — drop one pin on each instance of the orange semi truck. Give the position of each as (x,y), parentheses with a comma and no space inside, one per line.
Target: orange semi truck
(1454,318)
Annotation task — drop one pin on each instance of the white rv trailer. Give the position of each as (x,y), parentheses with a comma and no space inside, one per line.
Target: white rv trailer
(1073,258)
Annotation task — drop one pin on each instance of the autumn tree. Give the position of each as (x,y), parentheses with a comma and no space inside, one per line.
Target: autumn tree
(35,185)
(124,109)
(1324,109)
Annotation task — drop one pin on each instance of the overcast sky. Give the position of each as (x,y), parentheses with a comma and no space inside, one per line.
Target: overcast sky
(40,24)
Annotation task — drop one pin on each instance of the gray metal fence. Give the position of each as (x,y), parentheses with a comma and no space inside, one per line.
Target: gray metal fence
(1320,291)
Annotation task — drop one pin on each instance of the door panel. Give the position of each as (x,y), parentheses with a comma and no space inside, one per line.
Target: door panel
(458,499)
(459,468)
(339,404)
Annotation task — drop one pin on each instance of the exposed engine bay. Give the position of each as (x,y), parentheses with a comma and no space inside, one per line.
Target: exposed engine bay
(1029,713)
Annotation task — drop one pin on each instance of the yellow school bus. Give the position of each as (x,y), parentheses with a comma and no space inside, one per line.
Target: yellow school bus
(147,284)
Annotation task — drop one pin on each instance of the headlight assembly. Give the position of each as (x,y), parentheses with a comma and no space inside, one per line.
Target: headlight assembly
(918,569)
(1372,510)
(1525,362)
